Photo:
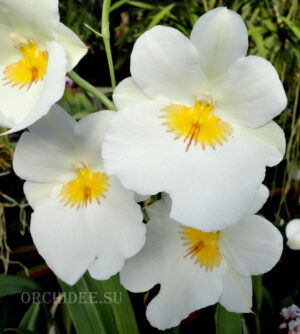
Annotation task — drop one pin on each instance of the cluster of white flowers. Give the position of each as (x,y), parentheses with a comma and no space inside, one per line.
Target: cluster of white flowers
(194,123)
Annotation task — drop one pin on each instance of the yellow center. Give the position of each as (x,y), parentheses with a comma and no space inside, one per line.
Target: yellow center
(86,187)
(196,124)
(30,69)
(202,246)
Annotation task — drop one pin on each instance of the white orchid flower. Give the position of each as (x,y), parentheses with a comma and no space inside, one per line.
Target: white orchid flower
(196,269)
(195,121)
(82,219)
(292,232)
(36,52)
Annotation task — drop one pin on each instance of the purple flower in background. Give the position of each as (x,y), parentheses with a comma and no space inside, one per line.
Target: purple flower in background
(291,313)
(294,326)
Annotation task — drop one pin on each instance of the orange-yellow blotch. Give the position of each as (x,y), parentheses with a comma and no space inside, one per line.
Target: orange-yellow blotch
(196,124)
(30,69)
(85,188)
(202,246)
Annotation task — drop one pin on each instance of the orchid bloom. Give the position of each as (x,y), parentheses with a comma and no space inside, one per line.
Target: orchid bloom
(82,219)
(36,52)
(196,269)
(195,121)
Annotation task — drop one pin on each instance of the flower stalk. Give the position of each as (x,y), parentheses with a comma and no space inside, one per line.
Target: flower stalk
(91,89)
(258,293)
(106,39)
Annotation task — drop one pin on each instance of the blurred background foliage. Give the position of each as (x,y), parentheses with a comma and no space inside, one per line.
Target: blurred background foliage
(274,33)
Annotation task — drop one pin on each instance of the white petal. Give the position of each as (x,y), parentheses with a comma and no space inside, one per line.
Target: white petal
(249,93)
(45,154)
(184,285)
(110,264)
(128,148)
(97,238)
(38,161)
(9,53)
(147,159)
(253,246)
(89,133)
(164,65)
(39,193)
(75,49)
(55,128)
(292,232)
(117,230)
(63,240)
(260,199)
(221,38)
(237,292)
(272,137)
(127,92)
(294,242)
(142,271)
(4,122)
(18,103)
(292,228)
(38,20)
(94,126)
(63,133)
(23,107)
(181,293)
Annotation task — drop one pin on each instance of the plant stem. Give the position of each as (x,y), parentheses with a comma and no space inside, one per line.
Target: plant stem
(93,90)
(205,5)
(257,324)
(106,39)
(97,33)
(212,4)
(258,293)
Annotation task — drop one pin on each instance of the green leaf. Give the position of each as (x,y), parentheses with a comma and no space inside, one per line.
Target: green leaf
(228,322)
(104,308)
(258,291)
(121,306)
(141,5)
(138,4)
(66,317)
(246,10)
(110,310)
(19,331)
(268,298)
(118,4)
(254,32)
(85,316)
(270,25)
(158,17)
(30,318)
(292,26)
(12,285)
